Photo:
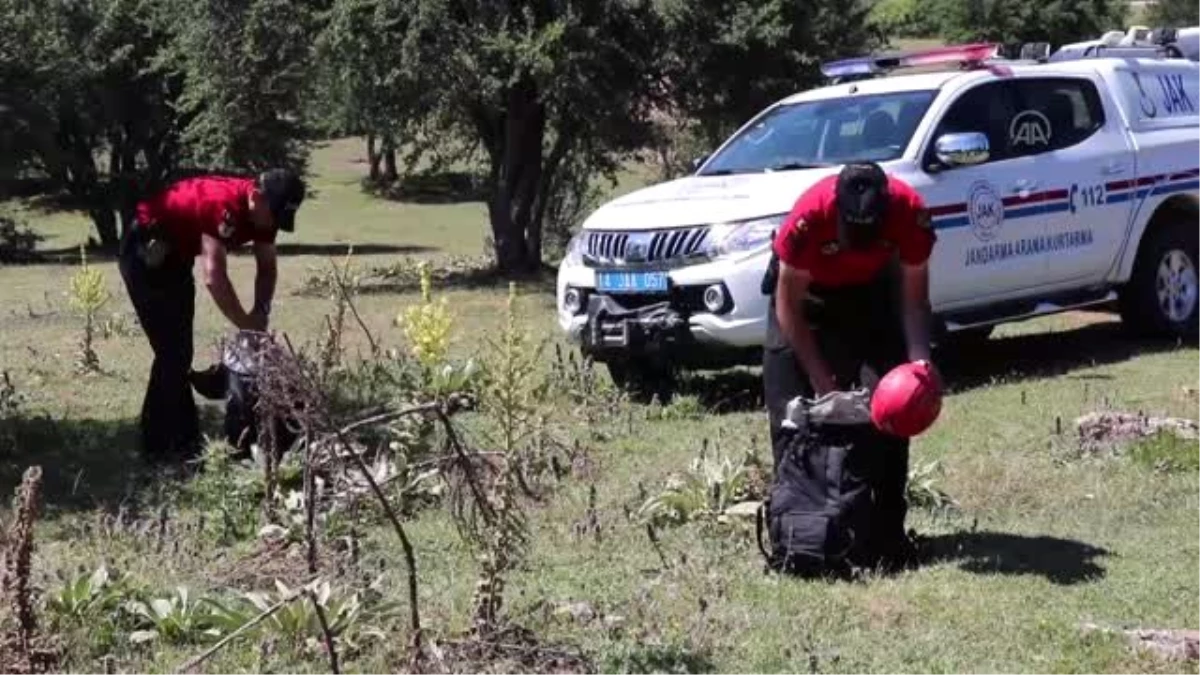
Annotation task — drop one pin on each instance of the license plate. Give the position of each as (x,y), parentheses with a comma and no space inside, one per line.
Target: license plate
(631,282)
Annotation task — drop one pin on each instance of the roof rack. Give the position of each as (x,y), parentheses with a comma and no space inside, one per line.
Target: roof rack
(867,67)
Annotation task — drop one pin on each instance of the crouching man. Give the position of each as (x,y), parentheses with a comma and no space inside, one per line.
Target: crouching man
(850,287)
(205,218)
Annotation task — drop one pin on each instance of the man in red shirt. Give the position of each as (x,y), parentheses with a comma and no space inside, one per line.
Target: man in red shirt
(202,217)
(850,302)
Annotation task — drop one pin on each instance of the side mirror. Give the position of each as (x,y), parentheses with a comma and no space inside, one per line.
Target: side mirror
(967,149)
(699,161)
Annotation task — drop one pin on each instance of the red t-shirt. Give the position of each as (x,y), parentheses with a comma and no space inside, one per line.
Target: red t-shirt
(212,205)
(808,238)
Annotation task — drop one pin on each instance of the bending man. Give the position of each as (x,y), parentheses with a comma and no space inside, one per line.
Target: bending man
(851,301)
(205,218)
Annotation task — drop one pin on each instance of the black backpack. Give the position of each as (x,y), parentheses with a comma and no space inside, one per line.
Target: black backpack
(817,516)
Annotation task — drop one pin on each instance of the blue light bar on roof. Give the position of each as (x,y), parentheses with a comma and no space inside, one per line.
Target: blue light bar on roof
(864,65)
(874,65)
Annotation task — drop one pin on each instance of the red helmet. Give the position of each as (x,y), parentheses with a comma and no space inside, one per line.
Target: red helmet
(907,400)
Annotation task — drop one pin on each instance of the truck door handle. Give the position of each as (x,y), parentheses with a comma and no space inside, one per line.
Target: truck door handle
(1024,185)
(1113,168)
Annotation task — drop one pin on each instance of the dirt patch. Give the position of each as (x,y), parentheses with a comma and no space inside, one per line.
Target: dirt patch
(1171,645)
(1103,431)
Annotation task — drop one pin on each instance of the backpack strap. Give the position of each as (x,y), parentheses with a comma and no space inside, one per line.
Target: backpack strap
(759,522)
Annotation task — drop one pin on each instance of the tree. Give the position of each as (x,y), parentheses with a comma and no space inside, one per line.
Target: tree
(1013,22)
(544,86)
(366,84)
(1173,13)
(729,59)
(109,99)
(78,87)
(245,67)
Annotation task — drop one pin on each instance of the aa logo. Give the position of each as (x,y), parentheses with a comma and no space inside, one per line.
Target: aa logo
(1029,128)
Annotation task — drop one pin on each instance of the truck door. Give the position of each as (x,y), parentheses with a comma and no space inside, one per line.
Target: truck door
(1062,124)
(990,217)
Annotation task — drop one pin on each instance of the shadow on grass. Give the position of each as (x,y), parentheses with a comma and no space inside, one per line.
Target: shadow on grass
(86,463)
(725,392)
(447,187)
(336,250)
(1040,355)
(1036,355)
(1061,561)
(70,255)
(466,279)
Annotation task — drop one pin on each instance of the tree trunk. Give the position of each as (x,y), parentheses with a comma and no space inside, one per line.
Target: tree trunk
(373,158)
(515,180)
(390,173)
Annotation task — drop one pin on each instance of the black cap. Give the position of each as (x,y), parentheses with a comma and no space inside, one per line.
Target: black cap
(284,191)
(862,194)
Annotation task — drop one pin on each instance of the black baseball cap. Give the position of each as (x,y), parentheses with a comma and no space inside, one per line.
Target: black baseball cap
(284,191)
(862,195)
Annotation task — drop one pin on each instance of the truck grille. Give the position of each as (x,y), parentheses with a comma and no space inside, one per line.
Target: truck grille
(639,248)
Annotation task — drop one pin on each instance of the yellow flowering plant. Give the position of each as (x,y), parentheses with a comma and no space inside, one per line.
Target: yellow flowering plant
(427,325)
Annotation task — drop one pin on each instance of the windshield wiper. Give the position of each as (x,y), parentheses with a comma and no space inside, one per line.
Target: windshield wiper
(796,166)
(723,172)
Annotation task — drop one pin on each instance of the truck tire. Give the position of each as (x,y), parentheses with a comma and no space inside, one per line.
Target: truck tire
(643,379)
(1160,299)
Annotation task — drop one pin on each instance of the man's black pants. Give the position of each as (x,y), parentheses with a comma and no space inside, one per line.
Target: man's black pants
(859,333)
(164,298)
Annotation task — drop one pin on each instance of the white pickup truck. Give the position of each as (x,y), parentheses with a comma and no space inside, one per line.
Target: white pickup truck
(1051,186)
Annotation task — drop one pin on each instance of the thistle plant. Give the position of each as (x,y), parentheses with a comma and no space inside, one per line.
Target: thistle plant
(512,398)
(88,294)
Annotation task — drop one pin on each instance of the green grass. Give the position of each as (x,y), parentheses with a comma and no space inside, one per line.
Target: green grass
(1043,540)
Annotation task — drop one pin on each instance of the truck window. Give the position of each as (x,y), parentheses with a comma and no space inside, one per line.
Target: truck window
(1054,113)
(875,127)
(987,109)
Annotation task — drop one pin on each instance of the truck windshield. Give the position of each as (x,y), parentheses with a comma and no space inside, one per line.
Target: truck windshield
(873,128)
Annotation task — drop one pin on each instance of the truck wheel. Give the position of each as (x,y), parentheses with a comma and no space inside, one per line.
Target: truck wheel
(1161,297)
(643,379)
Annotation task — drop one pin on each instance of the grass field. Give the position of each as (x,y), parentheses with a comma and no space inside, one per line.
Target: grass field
(1044,540)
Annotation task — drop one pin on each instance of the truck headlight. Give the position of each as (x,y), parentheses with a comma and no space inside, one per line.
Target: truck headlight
(743,236)
(575,248)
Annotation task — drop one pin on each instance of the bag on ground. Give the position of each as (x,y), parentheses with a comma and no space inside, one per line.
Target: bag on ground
(817,517)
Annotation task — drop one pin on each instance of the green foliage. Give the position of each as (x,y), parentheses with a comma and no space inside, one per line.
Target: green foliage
(94,608)
(713,42)
(1012,22)
(904,19)
(1175,13)
(681,408)
(87,596)
(1167,452)
(923,490)
(78,84)
(365,81)
(246,68)
(552,92)
(88,293)
(711,484)
(228,492)
(179,618)
(109,99)
(353,617)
